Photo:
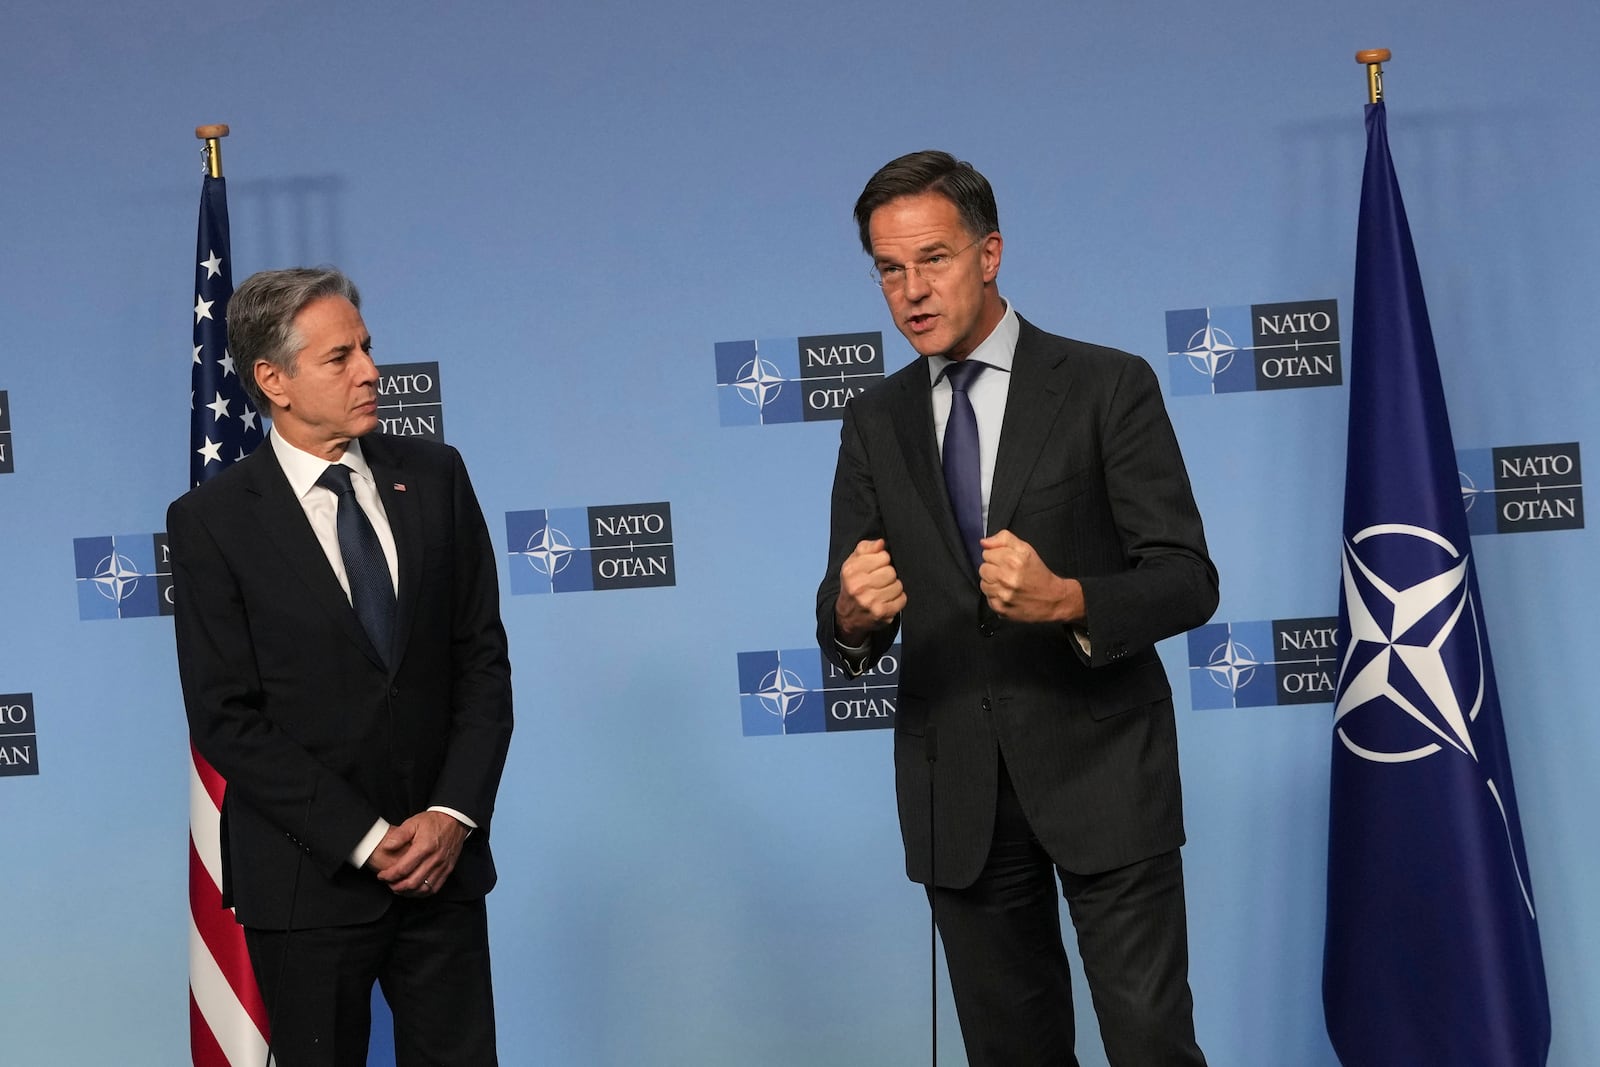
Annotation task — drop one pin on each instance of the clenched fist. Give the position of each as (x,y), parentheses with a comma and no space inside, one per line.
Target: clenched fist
(1020,587)
(870,593)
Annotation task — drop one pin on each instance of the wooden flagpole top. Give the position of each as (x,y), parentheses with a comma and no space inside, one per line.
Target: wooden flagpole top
(212,152)
(1374,58)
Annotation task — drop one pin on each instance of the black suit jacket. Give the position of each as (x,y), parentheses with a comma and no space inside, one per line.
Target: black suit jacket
(290,702)
(1089,473)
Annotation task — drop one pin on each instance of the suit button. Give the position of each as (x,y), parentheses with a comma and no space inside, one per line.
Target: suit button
(985,703)
(394,691)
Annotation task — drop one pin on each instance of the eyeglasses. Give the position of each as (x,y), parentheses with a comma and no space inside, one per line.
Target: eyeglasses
(929,268)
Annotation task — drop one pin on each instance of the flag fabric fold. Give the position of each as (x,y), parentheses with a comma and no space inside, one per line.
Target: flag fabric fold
(1432,945)
(227,1020)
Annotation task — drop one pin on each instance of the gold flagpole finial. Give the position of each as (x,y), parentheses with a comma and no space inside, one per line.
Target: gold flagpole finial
(211,154)
(1374,58)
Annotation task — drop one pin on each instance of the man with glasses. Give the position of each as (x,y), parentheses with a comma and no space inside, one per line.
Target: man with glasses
(1015,507)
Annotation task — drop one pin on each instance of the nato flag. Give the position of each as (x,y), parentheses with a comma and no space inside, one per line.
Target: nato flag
(1432,951)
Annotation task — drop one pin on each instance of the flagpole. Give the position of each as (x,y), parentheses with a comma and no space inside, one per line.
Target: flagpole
(1374,58)
(213,135)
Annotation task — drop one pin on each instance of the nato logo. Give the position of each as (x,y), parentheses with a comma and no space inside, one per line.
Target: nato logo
(794,379)
(127,576)
(409,404)
(19,737)
(7,465)
(797,691)
(576,550)
(1245,349)
(1416,675)
(1522,488)
(1263,663)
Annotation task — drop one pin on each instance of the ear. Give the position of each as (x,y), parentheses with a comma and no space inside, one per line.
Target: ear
(991,248)
(269,379)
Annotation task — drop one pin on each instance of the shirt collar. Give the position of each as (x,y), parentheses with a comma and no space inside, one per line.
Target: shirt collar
(303,469)
(997,350)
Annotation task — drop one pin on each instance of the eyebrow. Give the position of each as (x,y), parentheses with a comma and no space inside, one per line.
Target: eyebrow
(345,350)
(922,250)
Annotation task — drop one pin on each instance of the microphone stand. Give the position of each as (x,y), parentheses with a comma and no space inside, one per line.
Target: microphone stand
(930,742)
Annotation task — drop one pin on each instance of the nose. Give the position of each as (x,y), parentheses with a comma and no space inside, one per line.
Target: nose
(916,286)
(366,368)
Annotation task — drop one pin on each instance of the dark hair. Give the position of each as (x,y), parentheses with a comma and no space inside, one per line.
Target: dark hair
(931,172)
(261,316)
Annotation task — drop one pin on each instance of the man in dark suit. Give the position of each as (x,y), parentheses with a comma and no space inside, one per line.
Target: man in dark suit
(345,669)
(1016,508)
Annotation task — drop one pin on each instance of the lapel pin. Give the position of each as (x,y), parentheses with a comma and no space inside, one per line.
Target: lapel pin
(399,487)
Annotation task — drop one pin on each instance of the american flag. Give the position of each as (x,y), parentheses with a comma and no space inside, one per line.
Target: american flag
(227,1020)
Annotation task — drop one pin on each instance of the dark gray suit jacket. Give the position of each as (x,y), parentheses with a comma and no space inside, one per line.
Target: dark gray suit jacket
(290,702)
(1090,474)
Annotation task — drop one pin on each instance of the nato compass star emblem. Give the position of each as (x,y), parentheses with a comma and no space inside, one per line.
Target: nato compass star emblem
(116,577)
(782,693)
(1416,652)
(549,551)
(1399,638)
(758,382)
(1210,351)
(1469,490)
(1232,665)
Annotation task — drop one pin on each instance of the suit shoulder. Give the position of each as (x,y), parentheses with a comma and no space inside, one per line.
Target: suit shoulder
(224,485)
(894,385)
(383,448)
(1085,353)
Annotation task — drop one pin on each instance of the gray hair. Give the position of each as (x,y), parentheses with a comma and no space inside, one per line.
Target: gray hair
(261,316)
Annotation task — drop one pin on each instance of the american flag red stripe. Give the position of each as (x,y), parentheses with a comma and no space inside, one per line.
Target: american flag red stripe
(203,1047)
(227,1013)
(221,937)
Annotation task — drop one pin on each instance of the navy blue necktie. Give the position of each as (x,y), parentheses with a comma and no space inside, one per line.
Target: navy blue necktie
(371,590)
(963,466)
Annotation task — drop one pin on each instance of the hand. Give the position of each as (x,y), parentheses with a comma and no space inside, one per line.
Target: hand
(1020,587)
(390,849)
(415,858)
(870,593)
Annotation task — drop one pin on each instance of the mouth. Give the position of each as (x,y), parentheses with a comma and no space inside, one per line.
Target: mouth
(921,323)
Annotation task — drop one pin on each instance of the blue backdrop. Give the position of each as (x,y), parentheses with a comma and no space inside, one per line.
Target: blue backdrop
(567,208)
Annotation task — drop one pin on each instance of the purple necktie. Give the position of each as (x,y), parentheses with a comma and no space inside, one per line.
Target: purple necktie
(371,590)
(963,468)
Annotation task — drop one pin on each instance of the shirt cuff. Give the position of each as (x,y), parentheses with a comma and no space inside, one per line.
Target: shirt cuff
(369,844)
(855,656)
(457,816)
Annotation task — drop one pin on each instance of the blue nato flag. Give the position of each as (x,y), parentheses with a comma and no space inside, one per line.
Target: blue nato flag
(1432,951)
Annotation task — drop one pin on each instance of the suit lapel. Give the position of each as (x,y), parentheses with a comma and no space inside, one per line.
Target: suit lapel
(283,522)
(1034,399)
(912,411)
(403,505)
